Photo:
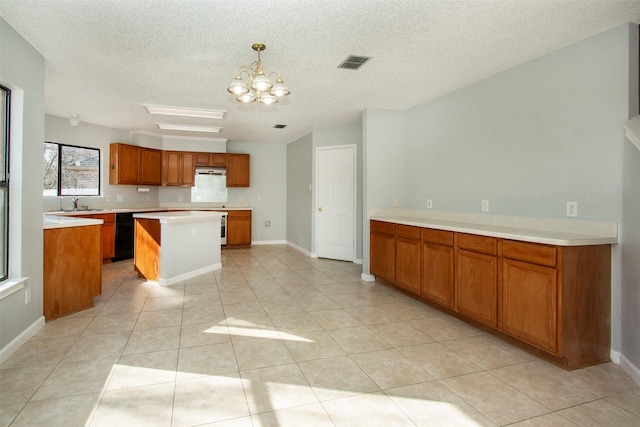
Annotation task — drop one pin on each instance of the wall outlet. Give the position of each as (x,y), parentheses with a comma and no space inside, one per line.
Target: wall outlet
(27,295)
(119,198)
(485,206)
(180,198)
(267,224)
(148,198)
(572,208)
(194,231)
(429,203)
(107,198)
(396,202)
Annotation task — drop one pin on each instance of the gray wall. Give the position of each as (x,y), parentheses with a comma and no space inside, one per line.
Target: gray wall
(299,194)
(630,237)
(528,140)
(22,70)
(344,135)
(268,192)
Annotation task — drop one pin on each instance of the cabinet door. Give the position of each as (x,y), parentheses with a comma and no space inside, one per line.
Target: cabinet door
(238,170)
(476,286)
(382,255)
(203,159)
(437,273)
(124,164)
(408,257)
(239,228)
(170,168)
(529,303)
(108,240)
(150,166)
(218,159)
(187,169)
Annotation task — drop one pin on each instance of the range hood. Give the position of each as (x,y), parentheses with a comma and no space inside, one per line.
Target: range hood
(632,128)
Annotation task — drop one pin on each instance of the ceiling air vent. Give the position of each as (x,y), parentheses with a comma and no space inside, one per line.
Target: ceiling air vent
(354,62)
(280,126)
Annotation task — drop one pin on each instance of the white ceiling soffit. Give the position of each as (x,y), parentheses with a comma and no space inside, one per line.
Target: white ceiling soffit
(106,58)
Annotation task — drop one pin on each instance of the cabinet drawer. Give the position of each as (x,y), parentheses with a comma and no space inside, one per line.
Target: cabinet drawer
(437,236)
(382,227)
(238,214)
(530,252)
(408,231)
(481,244)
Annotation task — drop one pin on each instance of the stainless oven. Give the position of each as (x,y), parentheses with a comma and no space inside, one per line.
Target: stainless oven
(223,230)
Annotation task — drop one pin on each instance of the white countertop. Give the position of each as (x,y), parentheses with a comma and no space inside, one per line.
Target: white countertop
(181,216)
(58,221)
(134,210)
(519,229)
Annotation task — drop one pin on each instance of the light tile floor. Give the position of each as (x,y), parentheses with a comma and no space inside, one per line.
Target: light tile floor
(279,339)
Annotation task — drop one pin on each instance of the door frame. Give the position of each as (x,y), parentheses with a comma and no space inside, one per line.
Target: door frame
(354,148)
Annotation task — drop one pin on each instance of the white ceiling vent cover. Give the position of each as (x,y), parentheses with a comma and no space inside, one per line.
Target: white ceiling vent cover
(354,62)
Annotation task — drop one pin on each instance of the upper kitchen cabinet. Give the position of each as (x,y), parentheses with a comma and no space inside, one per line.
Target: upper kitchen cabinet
(124,164)
(238,170)
(150,166)
(130,164)
(211,159)
(178,168)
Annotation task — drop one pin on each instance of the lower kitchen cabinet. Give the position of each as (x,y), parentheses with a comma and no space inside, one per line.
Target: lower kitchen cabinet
(554,300)
(108,234)
(72,280)
(407,260)
(530,303)
(382,250)
(437,267)
(239,228)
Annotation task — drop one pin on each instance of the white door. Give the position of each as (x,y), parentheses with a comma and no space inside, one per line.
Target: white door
(336,203)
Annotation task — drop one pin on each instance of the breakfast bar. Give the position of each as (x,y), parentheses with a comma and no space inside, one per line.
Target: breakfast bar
(170,247)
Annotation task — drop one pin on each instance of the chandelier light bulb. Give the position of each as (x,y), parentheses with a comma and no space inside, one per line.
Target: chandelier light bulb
(268,99)
(247,98)
(261,83)
(238,86)
(279,89)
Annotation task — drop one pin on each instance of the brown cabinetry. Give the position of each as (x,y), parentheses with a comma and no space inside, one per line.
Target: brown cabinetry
(124,164)
(555,300)
(133,165)
(382,250)
(108,234)
(437,266)
(211,159)
(407,260)
(239,228)
(178,168)
(476,281)
(150,166)
(238,170)
(73,280)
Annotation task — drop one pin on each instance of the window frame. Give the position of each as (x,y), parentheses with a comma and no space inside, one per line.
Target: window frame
(59,171)
(4,179)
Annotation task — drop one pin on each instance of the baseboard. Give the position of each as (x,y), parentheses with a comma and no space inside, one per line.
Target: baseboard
(269,242)
(188,275)
(368,277)
(15,344)
(615,356)
(300,249)
(630,368)
(357,261)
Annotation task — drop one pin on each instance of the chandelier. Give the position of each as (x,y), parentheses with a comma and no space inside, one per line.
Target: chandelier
(253,82)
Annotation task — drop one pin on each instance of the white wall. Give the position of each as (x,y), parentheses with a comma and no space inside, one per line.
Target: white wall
(528,140)
(22,70)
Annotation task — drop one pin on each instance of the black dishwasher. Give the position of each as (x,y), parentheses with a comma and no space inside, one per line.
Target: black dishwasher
(124,236)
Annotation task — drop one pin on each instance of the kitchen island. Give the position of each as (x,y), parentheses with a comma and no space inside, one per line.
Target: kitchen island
(170,247)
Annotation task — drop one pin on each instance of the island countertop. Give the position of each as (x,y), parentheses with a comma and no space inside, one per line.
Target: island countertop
(181,216)
(55,221)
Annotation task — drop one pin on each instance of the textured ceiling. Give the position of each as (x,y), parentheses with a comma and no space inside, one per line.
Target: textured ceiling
(105,58)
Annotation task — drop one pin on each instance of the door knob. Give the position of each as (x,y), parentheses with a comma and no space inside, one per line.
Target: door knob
(320,209)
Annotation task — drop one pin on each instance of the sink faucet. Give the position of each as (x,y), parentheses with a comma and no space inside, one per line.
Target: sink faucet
(75,203)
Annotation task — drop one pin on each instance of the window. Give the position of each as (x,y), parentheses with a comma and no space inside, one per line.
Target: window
(71,170)
(5,102)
